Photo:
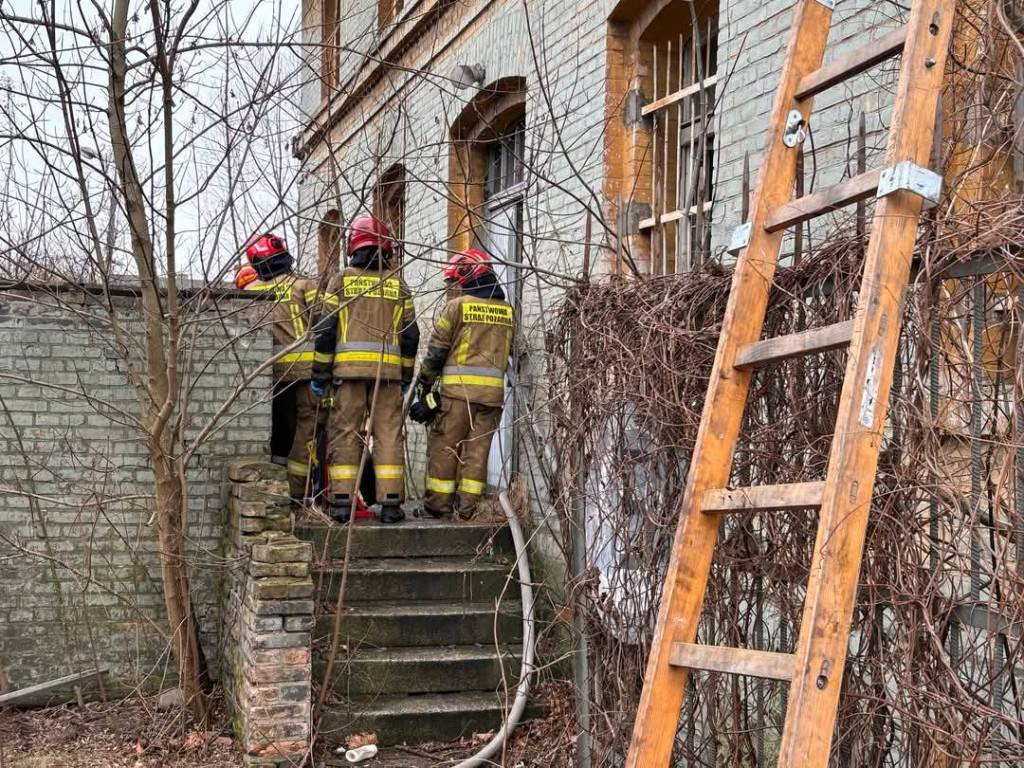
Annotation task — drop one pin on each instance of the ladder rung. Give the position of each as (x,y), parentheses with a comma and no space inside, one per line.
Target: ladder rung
(790,496)
(829,199)
(733,661)
(762,353)
(853,63)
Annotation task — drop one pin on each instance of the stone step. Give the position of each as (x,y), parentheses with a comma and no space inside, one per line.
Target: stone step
(423,670)
(424,623)
(414,537)
(421,719)
(418,578)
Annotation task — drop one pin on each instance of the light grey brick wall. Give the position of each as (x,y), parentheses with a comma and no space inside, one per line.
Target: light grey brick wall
(752,45)
(79,561)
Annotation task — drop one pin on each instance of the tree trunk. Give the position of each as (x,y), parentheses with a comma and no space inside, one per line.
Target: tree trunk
(161,361)
(172,517)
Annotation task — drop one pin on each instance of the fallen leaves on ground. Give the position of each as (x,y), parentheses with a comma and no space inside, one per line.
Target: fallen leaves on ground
(129,733)
(357,740)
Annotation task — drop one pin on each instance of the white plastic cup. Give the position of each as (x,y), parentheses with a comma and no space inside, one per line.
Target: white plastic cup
(359,754)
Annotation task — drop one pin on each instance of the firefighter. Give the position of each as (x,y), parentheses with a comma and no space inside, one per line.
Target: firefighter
(367,342)
(295,408)
(467,354)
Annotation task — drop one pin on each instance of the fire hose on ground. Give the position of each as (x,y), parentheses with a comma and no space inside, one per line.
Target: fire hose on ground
(526,673)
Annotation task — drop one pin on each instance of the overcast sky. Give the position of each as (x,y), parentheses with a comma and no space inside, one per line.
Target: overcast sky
(235,109)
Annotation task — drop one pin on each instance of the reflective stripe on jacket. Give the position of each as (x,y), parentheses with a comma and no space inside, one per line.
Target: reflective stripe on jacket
(372,324)
(469,349)
(291,319)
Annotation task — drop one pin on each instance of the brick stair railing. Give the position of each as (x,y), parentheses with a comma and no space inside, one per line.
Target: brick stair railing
(268,618)
(430,649)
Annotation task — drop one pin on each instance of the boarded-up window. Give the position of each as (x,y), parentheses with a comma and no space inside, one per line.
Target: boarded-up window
(389,202)
(330,244)
(387,11)
(330,46)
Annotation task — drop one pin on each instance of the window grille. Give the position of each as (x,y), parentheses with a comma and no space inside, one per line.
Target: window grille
(682,148)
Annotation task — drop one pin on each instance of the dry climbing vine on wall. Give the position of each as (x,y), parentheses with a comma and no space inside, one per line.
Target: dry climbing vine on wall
(926,675)
(935,670)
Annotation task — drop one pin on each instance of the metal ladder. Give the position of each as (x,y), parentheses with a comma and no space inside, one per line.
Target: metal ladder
(815,671)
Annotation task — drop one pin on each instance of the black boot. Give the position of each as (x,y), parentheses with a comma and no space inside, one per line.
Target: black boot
(340,511)
(391,513)
(437,514)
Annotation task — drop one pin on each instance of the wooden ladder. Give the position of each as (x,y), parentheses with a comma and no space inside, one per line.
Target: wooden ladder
(815,671)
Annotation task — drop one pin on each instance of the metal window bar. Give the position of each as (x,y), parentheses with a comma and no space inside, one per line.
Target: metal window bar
(977,416)
(1019,430)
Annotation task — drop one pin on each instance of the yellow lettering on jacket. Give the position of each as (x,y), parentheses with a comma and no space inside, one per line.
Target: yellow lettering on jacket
(283,292)
(488,314)
(371,288)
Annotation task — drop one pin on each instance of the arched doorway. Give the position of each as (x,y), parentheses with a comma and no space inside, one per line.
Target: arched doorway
(487,181)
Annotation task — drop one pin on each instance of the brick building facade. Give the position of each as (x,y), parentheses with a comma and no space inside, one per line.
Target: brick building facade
(510,124)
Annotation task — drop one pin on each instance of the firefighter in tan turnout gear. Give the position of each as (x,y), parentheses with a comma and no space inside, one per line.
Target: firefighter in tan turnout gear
(295,407)
(467,354)
(368,332)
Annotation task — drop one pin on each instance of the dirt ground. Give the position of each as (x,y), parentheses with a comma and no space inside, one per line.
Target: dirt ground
(132,733)
(128,732)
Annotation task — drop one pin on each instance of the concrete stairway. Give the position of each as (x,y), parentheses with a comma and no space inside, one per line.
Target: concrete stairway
(426,658)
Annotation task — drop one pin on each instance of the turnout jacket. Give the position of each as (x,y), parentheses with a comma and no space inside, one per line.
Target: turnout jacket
(293,315)
(470,344)
(369,315)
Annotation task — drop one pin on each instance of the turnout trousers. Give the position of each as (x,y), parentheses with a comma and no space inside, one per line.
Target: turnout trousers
(302,458)
(457,449)
(352,401)
(282,419)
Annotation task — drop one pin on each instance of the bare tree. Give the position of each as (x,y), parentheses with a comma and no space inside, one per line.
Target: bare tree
(180,112)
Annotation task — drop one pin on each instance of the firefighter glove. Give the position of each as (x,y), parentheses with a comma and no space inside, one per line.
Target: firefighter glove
(426,408)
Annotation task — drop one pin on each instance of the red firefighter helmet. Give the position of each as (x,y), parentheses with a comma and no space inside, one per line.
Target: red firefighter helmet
(245,275)
(261,247)
(369,230)
(466,266)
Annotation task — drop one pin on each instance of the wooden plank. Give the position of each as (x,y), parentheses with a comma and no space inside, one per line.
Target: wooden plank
(807,207)
(762,353)
(853,63)
(53,685)
(684,93)
(657,721)
(832,584)
(732,661)
(675,215)
(761,497)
